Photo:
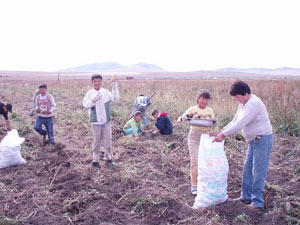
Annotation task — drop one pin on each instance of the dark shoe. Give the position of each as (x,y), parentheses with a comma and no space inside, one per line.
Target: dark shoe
(52,145)
(44,137)
(109,163)
(247,202)
(96,165)
(252,206)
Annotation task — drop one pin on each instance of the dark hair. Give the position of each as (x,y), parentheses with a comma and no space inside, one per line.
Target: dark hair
(204,94)
(239,88)
(154,112)
(96,76)
(138,113)
(9,107)
(141,95)
(43,86)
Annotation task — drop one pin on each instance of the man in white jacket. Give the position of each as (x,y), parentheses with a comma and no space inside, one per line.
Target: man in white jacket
(253,120)
(97,101)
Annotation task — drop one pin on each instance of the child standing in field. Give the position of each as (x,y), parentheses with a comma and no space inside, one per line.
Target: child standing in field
(45,106)
(134,126)
(97,101)
(195,132)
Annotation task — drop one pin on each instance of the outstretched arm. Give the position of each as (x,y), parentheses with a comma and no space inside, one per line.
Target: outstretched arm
(184,116)
(53,104)
(115,91)
(8,126)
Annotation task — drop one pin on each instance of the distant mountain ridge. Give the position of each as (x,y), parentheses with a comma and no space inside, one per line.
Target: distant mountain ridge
(278,71)
(115,67)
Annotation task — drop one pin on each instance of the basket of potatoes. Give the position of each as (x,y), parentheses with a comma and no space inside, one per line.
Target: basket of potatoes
(201,120)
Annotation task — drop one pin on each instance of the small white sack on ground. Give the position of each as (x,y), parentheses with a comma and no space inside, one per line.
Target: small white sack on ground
(10,147)
(212,173)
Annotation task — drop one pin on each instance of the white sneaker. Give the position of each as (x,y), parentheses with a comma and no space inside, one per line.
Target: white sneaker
(194,190)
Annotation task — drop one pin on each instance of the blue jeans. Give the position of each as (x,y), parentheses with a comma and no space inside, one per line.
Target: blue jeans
(256,169)
(129,131)
(48,123)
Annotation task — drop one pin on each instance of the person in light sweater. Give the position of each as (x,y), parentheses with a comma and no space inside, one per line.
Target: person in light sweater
(45,106)
(97,101)
(253,120)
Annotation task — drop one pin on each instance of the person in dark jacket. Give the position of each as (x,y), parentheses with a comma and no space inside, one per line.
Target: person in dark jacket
(4,109)
(163,123)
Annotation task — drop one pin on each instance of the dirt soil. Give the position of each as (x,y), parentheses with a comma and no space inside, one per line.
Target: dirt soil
(149,183)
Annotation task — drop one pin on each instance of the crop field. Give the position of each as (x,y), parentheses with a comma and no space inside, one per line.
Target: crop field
(150,182)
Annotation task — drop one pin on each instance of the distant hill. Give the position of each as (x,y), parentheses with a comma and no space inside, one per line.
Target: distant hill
(278,71)
(116,67)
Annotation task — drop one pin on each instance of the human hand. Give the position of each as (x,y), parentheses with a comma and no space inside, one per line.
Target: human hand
(215,133)
(113,78)
(38,110)
(155,131)
(219,138)
(189,116)
(97,98)
(47,112)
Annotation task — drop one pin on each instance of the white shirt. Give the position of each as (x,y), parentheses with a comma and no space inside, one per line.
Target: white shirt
(99,112)
(45,103)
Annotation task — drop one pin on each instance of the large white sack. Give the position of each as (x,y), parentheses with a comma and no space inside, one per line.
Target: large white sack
(10,148)
(212,173)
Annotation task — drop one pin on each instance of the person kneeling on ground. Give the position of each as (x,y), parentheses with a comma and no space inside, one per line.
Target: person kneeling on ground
(163,123)
(141,104)
(134,126)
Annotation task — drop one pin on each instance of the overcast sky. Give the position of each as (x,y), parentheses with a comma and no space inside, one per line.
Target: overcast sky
(48,35)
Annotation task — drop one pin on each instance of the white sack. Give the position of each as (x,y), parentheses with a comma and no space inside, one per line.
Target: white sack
(10,147)
(212,173)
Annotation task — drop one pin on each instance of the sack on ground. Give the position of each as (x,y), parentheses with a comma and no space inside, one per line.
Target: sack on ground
(10,148)
(212,173)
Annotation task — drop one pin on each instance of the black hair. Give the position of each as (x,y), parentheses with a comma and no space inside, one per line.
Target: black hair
(43,86)
(239,88)
(9,107)
(154,112)
(138,113)
(96,76)
(204,94)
